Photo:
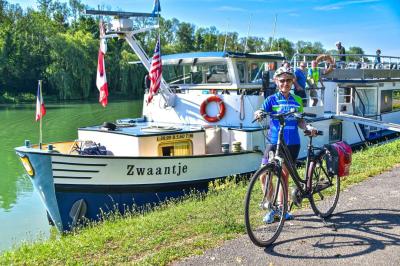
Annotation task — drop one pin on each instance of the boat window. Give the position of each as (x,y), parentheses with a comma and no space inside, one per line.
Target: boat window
(335,132)
(241,68)
(386,101)
(175,148)
(251,71)
(198,73)
(365,102)
(396,100)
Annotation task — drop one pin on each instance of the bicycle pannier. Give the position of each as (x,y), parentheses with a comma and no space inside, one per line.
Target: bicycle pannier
(339,161)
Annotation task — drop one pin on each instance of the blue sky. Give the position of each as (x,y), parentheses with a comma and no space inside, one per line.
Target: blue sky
(369,24)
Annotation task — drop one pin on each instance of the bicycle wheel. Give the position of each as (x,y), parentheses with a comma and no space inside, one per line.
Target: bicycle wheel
(262,199)
(325,189)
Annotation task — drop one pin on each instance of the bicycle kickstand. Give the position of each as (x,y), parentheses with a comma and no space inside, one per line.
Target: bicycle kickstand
(291,206)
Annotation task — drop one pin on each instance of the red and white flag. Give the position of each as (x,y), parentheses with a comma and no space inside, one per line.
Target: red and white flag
(101,79)
(155,72)
(40,108)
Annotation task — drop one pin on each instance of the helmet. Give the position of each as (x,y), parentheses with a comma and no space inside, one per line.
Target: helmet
(338,43)
(283,70)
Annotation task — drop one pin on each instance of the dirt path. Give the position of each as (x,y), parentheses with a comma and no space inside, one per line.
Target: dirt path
(367,219)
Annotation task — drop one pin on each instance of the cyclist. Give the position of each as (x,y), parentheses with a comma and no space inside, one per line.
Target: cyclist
(282,102)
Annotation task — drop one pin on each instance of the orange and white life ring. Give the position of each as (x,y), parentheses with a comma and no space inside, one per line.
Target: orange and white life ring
(221,106)
(327,58)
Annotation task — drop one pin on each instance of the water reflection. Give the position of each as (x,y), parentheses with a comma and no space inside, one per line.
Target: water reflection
(18,203)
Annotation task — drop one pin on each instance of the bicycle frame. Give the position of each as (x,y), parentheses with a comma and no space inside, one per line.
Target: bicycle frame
(283,150)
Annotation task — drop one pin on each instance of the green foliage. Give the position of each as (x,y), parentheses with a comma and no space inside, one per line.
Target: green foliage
(355,50)
(59,45)
(71,70)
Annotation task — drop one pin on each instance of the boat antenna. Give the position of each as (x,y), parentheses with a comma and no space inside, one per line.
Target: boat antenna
(273,32)
(248,32)
(226,34)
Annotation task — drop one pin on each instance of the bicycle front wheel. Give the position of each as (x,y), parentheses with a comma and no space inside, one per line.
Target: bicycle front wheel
(265,206)
(325,189)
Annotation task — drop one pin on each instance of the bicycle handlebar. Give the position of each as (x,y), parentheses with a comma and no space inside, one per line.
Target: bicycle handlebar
(298,115)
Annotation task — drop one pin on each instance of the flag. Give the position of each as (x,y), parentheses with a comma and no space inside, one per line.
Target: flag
(101,79)
(40,108)
(155,72)
(156,8)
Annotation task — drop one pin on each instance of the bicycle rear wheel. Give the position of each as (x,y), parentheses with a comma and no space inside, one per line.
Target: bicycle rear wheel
(262,199)
(325,189)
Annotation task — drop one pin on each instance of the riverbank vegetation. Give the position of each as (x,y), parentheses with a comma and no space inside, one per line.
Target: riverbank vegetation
(177,229)
(55,42)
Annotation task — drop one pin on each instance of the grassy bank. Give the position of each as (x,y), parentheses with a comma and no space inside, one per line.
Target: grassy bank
(176,230)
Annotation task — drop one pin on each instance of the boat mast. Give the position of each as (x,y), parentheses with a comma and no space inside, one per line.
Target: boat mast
(273,32)
(248,32)
(122,27)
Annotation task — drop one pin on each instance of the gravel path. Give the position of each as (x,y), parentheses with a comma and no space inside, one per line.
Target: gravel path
(367,219)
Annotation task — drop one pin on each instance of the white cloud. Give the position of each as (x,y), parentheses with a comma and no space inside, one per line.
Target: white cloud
(231,8)
(341,5)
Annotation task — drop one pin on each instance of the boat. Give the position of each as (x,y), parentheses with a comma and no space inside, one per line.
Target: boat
(198,128)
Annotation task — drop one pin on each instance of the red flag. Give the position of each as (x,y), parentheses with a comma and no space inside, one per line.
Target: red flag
(101,80)
(155,72)
(40,108)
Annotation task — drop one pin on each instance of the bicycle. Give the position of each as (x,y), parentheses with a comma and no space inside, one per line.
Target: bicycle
(320,186)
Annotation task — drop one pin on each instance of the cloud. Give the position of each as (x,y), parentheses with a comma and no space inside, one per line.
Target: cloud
(231,8)
(341,5)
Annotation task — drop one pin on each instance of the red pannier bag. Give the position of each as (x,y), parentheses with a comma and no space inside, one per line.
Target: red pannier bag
(339,160)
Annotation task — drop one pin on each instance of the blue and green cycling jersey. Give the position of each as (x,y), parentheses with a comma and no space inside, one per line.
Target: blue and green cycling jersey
(278,104)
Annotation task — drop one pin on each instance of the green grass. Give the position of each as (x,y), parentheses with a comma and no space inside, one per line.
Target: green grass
(176,229)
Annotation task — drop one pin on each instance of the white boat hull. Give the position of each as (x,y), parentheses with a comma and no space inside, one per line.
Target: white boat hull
(74,186)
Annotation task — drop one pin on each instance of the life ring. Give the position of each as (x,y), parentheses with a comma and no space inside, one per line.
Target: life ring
(221,106)
(327,58)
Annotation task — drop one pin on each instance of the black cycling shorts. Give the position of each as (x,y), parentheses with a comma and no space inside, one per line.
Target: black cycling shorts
(293,149)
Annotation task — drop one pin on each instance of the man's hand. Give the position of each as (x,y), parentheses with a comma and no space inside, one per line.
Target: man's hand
(313,130)
(258,115)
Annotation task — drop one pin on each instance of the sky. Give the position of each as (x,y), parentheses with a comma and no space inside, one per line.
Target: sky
(369,24)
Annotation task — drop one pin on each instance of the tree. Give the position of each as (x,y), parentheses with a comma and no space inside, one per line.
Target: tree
(185,37)
(283,45)
(73,66)
(44,6)
(355,50)
(60,13)
(76,8)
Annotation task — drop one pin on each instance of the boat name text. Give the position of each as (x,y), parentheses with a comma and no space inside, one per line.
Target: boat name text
(165,170)
(176,136)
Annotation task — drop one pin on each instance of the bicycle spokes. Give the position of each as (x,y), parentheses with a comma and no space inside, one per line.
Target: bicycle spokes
(265,206)
(325,190)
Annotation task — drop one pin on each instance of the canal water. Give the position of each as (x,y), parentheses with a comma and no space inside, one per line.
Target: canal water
(22,215)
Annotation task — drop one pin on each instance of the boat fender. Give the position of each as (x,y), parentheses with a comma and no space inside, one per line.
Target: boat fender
(221,105)
(326,58)
(109,126)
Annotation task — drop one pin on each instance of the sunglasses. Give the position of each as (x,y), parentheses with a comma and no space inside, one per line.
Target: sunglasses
(285,80)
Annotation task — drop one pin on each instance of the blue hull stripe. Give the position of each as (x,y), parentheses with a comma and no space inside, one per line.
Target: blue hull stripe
(163,187)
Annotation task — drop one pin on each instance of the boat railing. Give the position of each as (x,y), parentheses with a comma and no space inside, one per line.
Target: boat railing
(353,60)
(356,66)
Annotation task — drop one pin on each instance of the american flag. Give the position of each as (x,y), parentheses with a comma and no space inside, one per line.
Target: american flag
(101,80)
(40,109)
(155,72)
